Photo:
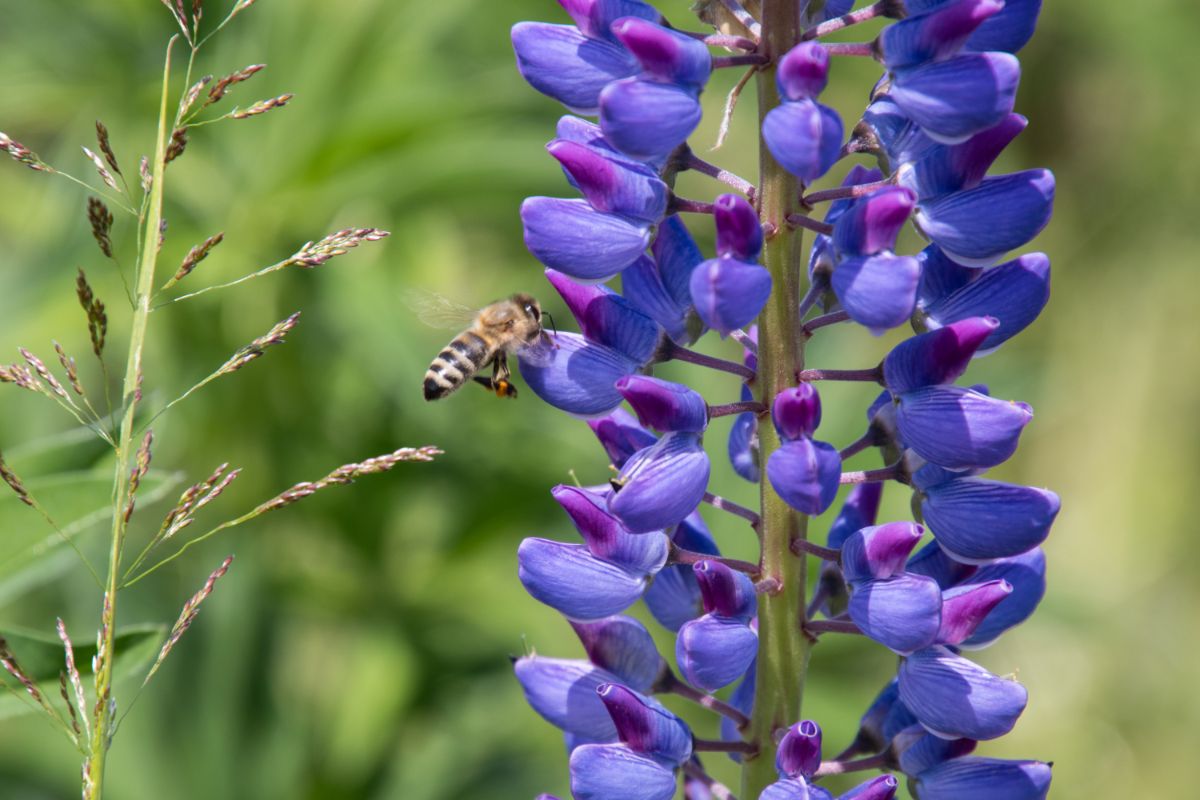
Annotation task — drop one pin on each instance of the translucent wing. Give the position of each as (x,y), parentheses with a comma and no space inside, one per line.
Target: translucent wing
(436,311)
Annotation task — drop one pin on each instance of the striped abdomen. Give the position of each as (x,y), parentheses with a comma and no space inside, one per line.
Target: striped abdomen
(455,365)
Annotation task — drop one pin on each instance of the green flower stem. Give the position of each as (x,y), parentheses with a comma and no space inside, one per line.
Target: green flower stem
(93,779)
(783,649)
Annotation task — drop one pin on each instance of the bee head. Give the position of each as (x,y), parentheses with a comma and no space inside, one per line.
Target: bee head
(529,306)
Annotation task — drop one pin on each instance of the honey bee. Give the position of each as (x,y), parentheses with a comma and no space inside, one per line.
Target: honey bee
(491,334)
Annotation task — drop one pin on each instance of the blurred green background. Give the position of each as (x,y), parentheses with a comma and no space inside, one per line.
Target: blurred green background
(358,647)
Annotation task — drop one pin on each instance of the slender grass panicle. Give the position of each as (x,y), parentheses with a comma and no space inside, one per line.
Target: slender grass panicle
(122,422)
(965,570)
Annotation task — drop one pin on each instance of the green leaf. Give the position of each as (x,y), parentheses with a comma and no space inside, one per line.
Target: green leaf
(41,657)
(31,552)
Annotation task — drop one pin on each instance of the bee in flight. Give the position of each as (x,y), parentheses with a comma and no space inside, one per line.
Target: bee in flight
(491,334)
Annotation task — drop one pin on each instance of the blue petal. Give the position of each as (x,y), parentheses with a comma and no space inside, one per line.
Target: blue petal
(665,55)
(932,561)
(901,613)
(739,234)
(728,294)
(951,168)
(858,511)
(1013,293)
(957,699)
(645,725)
(608,319)
(677,255)
(1009,30)
(879,551)
(984,779)
(563,691)
(725,591)
(976,519)
(977,226)
(941,277)
(576,375)
(1027,575)
(936,35)
(606,538)
(572,237)
(624,647)
(662,484)
(958,428)
(920,750)
(642,285)
(713,651)
(664,405)
(878,292)
(937,357)
(575,583)
(799,752)
(561,62)
(612,183)
(743,446)
(965,607)
(621,435)
(805,137)
(870,224)
(595,17)
(805,474)
(614,772)
(643,118)
(954,99)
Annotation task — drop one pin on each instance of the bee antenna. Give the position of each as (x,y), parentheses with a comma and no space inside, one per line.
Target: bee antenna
(553,327)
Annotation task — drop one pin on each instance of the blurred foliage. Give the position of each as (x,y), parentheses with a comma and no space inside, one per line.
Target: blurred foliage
(358,648)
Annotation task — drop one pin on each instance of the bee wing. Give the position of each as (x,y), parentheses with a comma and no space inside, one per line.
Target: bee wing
(436,311)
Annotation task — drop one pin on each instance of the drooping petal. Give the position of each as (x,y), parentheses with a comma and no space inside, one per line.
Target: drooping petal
(1014,293)
(622,645)
(796,412)
(607,318)
(643,118)
(575,583)
(714,651)
(563,691)
(576,375)
(965,607)
(935,35)
(664,54)
(662,484)
(878,292)
(568,66)
(878,552)
(614,772)
(976,519)
(957,699)
(954,99)
(901,613)
(612,184)
(739,234)
(859,510)
(605,536)
(799,752)
(572,237)
(664,405)
(1026,574)
(984,779)
(645,725)
(803,71)
(937,357)
(958,428)
(805,474)
(977,226)
(804,137)
(728,294)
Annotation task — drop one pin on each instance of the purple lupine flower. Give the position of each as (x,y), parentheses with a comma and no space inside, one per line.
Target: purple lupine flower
(938,120)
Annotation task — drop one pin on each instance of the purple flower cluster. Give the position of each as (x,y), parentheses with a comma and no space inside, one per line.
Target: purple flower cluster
(968,568)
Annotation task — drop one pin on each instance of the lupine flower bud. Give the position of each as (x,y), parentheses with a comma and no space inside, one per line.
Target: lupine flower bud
(664,405)
(726,592)
(957,699)
(799,752)
(804,136)
(882,787)
(870,224)
(803,71)
(938,357)
(984,779)
(879,291)
(805,473)
(714,650)
(823,258)
(615,772)
(739,234)
(664,54)
(935,35)
(728,294)
(797,412)
(574,238)
(662,484)
(879,552)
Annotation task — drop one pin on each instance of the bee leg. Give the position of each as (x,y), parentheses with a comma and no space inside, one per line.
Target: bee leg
(500,376)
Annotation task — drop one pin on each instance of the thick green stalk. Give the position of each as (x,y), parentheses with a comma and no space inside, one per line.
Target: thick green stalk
(130,395)
(783,649)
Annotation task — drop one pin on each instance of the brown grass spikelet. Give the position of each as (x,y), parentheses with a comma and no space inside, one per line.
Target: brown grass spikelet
(106,146)
(178,143)
(221,87)
(62,690)
(141,465)
(97,319)
(22,154)
(197,254)
(194,498)
(68,365)
(256,348)
(262,106)
(43,372)
(193,94)
(14,482)
(80,699)
(98,162)
(188,615)
(314,254)
(101,219)
(347,473)
(9,661)
(20,376)
(144,173)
